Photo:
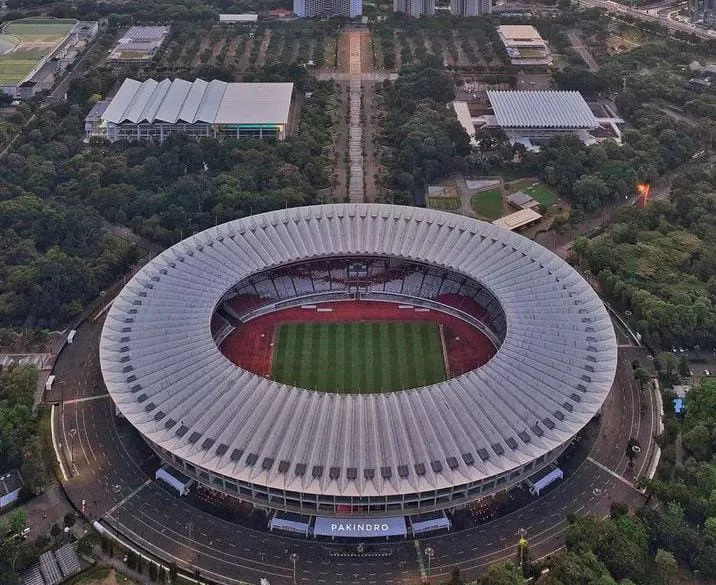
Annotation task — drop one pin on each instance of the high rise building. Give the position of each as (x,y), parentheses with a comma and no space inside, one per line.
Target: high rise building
(309,8)
(470,7)
(414,7)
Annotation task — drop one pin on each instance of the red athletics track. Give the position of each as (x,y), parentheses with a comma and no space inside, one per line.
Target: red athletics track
(249,346)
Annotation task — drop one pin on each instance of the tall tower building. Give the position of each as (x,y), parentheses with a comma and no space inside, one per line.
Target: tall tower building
(470,7)
(414,7)
(310,8)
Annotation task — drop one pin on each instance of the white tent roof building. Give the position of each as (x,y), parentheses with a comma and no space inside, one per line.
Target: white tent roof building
(155,109)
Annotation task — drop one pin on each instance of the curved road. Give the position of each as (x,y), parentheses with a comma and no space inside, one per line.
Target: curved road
(112,466)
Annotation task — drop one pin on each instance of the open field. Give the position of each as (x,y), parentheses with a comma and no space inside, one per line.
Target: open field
(538,191)
(358,356)
(541,194)
(32,41)
(488,204)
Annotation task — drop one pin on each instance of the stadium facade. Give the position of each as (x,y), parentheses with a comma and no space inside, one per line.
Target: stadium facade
(380,456)
(153,110)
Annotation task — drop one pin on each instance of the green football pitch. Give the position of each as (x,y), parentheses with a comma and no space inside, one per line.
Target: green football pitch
(358,357)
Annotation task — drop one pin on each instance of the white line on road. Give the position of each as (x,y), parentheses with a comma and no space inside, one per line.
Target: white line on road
(86,399)
(610,472)
(129,497)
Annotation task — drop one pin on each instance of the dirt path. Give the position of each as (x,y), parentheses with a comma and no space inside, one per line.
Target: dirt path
(578,46)
(205,44)
(243,53)
(231,52)
(217,48)
(261,57)
(340,143)
(462,60)
(366,52)
(398,46)
(370,135)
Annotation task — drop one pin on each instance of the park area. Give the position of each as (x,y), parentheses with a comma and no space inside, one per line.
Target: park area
(23,43)
(358,357)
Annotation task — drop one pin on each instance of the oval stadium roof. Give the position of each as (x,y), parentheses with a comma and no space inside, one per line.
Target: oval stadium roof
(549,377)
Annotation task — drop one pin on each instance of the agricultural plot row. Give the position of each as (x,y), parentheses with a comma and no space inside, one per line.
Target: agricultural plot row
(468,44)
(246,48)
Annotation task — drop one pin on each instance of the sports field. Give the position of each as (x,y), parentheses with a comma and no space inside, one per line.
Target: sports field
(358,356)
(24,42)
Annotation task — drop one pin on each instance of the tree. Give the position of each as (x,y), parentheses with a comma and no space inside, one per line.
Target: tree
(666,565)
(683,367)
(455,577)
(617,509)
(505,574)
(642,376)
(69,519)
(591,192)
(710,527)
(55,531)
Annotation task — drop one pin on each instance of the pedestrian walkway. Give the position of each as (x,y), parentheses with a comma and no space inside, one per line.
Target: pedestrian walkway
(355,142)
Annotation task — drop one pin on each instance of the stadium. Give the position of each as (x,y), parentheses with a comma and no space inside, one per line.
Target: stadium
(353,364)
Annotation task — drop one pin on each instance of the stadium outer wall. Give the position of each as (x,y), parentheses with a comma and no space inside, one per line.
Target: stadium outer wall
(449,499)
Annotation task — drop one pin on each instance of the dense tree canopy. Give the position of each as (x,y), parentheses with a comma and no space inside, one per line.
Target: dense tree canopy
(427,138)
(57,194)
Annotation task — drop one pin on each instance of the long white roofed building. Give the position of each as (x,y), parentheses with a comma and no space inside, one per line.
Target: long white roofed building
(386,455)
(153,110)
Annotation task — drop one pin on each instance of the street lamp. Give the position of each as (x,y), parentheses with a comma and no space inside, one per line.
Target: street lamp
(429,553)
(294,558)
(522,543)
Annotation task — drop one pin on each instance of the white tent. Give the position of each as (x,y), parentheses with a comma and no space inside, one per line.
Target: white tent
(537,486)
(428,523)
(178,481)
(290,523)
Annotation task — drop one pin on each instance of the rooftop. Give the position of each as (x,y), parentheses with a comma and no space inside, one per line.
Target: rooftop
(214,102)
(519,32)
(9,482)
(517,219)
(541,109)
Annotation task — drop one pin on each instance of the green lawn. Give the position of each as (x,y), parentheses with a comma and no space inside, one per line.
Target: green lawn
(39,30)
(541,194)
(488,204)
(358,356)
(13,70)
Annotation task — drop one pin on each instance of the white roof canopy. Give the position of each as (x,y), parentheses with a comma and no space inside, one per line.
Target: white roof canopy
(214,102)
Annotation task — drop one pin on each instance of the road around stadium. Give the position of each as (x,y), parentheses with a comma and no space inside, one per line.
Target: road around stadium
(112,466)
(106,471)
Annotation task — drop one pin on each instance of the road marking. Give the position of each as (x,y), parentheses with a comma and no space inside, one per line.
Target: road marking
(129,497)
(420,559)
(86,399)
(610,472)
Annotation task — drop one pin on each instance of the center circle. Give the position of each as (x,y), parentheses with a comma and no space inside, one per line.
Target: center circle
(358,325)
